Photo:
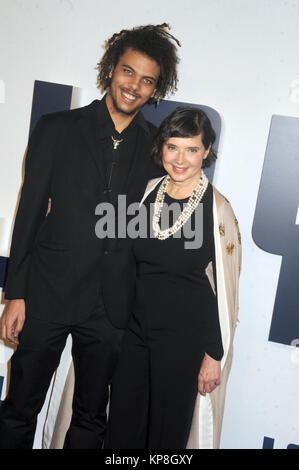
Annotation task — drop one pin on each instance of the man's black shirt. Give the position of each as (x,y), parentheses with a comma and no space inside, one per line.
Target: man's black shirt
(117,162)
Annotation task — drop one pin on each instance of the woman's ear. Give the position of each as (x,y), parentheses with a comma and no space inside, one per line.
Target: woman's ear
(207,152)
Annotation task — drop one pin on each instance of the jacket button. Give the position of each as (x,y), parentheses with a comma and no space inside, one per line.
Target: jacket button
(106,252)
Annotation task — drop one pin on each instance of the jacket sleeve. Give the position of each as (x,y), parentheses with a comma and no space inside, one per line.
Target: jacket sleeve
(32,208)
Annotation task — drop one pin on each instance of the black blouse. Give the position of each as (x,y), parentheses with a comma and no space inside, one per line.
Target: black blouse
(173,261)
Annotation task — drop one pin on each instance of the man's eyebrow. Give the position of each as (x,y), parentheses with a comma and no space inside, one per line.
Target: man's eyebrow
(128,66)
(146,76)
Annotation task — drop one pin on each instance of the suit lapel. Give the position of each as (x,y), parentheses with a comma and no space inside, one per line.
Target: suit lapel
(88,126)
(139,165)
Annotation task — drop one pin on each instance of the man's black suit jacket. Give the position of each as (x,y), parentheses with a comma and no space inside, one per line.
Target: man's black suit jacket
(57,264)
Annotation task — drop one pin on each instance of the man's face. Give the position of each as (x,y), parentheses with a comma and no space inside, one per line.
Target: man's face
(133,82)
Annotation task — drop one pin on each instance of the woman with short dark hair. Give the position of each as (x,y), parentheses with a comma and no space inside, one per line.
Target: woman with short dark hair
(169,387)
(185,122)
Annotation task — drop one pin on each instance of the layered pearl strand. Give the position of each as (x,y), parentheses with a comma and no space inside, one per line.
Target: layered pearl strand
(193,201)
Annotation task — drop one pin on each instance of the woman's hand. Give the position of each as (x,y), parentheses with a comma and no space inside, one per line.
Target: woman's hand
(209,375)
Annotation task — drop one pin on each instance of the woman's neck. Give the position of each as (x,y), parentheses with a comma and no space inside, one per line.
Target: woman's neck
(180,190)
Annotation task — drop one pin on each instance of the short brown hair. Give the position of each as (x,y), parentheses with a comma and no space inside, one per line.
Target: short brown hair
(185,121)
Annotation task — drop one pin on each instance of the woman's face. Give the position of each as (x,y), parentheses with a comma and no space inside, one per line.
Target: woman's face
(182,158)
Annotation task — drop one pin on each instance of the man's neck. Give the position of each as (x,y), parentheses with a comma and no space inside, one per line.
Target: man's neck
(120,120)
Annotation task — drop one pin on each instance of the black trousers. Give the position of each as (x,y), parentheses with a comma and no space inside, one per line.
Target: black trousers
(155,384)
(95,351)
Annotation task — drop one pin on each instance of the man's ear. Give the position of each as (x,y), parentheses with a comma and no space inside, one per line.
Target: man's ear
(155,96)
(111,72)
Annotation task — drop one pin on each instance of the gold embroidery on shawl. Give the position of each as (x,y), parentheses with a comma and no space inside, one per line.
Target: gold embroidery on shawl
(222,230)
(239,237)
(229,248)
(237,225)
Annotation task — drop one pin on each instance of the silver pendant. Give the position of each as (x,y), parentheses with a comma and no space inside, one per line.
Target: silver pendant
(116,142)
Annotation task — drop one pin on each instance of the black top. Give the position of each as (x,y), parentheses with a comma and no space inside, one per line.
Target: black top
(171,260)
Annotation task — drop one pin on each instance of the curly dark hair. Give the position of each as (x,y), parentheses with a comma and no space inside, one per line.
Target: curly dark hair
(185,121)
(154,41)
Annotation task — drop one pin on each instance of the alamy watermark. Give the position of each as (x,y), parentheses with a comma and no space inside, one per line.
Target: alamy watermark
(134,221)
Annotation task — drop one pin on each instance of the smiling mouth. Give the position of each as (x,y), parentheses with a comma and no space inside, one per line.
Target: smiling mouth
(128,97)
(179,170)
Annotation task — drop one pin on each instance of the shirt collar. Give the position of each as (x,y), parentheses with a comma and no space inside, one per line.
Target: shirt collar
(107,124)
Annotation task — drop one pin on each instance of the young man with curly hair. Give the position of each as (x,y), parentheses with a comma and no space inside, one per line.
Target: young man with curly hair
(55,286)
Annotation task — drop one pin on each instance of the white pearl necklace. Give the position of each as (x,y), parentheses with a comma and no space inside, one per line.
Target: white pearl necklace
(193,201)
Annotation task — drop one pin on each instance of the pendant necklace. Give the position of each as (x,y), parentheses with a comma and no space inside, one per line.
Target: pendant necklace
(116,142)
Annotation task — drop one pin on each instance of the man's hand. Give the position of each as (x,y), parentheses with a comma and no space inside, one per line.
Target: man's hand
(209,375)
(49,206)
(13,320)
